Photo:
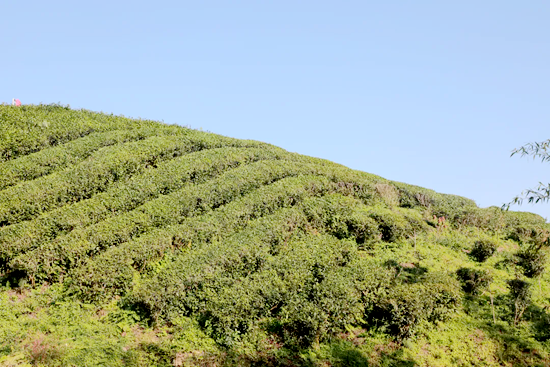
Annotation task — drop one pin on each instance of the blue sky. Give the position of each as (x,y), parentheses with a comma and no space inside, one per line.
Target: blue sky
(430,93)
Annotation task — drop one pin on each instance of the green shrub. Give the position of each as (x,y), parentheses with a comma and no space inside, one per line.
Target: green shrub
(528,233)
(53,159)
(94,175)
(306,291)
(32,128)
(533,260)
(473,281)
(388,193)
(405,306)
(483,249)
(67,251)
(518,226)
(112,271)
(51,259)
(168,177)
(392,225)
(441,205)
(343,217)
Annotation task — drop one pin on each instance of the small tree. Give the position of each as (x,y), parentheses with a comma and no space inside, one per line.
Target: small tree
(520,297)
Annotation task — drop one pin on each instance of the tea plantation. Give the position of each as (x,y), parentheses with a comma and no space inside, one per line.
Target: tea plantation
(127,242)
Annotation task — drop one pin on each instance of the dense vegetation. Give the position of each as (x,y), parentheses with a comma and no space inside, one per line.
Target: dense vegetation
(127,242)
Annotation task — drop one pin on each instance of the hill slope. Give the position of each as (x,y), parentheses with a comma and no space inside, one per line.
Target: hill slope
(131,242)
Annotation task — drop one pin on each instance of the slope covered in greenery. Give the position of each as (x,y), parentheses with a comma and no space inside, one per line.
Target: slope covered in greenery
(133,243)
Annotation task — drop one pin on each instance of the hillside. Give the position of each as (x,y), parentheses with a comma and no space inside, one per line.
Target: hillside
(128,242)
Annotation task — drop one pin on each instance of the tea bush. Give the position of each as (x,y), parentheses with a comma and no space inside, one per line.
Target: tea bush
(404,307)
(30,129)
(114,269)
(168,177)
(533,260)
(441,205)
(94,175)
(50,160)
(473,281)
(52,258)
(483,249)
(302,293)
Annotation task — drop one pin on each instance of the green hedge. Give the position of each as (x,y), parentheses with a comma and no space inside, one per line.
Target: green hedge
(121,198)
(404,307)
(442,205)
(28,129)
(518,226)
(311,288)
(168,209)
(173,208)
(112,270)
(53,159)
(98,172)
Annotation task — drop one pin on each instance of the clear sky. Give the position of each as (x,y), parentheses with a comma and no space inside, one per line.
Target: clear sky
(432,93)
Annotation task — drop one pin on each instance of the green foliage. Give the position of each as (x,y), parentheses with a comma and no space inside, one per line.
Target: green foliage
(483,249)
(533,260)
(441,205)
(473,281)
(391,224)
(113,270)
(167,177)
(434,297)
(173,208)
(520,297)
(302,292)
(542,192)
(500,221)
(130,242)
(343,217)
(30,129)
(62,332)
(50,160)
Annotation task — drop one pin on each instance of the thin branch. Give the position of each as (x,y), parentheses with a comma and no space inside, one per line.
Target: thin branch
(537,150)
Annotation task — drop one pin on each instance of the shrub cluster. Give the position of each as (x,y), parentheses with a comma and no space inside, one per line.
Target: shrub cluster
(167,177)
(94,175)
(309,289)
(67,251)
(29,129)
(243,242)
(441,205)
(434,297)
(50,160)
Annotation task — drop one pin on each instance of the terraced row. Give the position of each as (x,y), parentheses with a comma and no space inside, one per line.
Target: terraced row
(100,171)
(52,257)
(127,195)
(111,272)
(296,272)
(54,159)
(28,129)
